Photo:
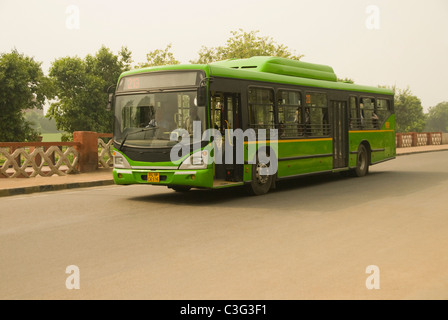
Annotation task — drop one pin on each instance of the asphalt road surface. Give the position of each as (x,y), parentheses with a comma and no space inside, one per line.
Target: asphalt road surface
(312,238)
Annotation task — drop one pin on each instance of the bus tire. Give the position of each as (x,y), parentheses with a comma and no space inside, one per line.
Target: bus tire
(181,188)
(260,184)
(362,161)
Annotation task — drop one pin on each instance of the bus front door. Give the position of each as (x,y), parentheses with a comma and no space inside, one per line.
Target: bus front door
(227,119)
(340,134)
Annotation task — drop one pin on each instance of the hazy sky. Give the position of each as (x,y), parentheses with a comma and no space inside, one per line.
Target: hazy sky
(398,42)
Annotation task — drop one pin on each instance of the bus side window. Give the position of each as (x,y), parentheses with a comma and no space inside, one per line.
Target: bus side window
(368,115)
(355,121)
(261,108)
(217,108)
(316,114)
(382,110)
(290,114)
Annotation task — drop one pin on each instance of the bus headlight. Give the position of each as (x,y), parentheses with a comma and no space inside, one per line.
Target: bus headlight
(198,160)
(120,161)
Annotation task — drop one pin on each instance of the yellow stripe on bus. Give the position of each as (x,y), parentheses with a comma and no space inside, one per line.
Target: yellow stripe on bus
(365,131)
(285,141)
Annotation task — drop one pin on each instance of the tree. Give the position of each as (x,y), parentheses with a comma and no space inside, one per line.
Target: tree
(81,88)
(245,45)
(23,86)
(409,116)
(437,118)
(159,57)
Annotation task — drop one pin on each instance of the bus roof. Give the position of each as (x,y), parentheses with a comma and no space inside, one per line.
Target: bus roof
(272,69)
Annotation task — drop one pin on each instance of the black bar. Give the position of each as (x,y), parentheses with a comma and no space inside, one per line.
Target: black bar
(307,157)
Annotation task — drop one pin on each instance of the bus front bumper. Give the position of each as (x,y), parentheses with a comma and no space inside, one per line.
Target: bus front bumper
(193,178)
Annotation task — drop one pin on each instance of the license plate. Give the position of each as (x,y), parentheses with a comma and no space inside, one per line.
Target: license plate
(153,177)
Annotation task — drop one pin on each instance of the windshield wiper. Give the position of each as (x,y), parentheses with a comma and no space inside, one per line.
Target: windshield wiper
(131,133)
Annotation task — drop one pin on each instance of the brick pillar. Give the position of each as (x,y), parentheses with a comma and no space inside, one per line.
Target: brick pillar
(399,140)
(429,138)
(414,138)
(88,150)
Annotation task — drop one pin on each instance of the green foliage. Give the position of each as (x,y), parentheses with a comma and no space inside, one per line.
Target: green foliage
(409,114)
(346,80)
(23,86)
(437,118)
(125,59)
(245,45)
(41,123)
(81,88)
(67,137)
(159,58)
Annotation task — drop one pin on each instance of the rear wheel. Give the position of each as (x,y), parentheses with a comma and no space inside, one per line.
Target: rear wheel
(362,162)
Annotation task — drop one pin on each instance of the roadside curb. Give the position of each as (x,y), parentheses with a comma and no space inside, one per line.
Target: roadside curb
(417,152)
(54,187)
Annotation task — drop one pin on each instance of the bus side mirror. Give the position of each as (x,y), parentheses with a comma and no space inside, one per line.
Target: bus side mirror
(109,102)
(110,97)
(202,96)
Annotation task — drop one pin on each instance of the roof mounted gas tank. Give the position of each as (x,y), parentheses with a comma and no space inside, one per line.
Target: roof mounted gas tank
(281,66)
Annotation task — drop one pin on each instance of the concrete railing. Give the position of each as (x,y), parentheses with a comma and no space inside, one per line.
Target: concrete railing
(86,153)
(415,139)
(444,138)
(105,158)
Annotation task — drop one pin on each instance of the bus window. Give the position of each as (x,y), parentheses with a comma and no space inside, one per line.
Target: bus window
(382,110)
(217,104)
(261,108)
(230,112)
(369,118)
(355,121)
(138,116)
(289,114)
(316,114)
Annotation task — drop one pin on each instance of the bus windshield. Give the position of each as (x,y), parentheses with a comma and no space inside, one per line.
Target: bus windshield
(151,119)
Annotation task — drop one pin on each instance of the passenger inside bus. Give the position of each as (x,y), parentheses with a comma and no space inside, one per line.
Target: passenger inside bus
(307,121)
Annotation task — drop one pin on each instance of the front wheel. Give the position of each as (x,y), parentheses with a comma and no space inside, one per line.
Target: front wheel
(261,180)
(181,188)
(362,162)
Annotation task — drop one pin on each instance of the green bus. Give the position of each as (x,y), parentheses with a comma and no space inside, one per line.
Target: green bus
(317,123)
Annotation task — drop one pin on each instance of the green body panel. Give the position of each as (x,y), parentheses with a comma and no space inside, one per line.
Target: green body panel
(381,143)
(247,172)
(304,149)
(176,67)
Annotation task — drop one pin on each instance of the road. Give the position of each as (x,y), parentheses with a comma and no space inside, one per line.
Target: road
(312,238)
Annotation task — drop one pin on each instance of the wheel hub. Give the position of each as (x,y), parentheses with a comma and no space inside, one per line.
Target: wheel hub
(262,179)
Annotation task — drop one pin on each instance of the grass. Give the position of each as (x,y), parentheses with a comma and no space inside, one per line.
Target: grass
(51,137)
